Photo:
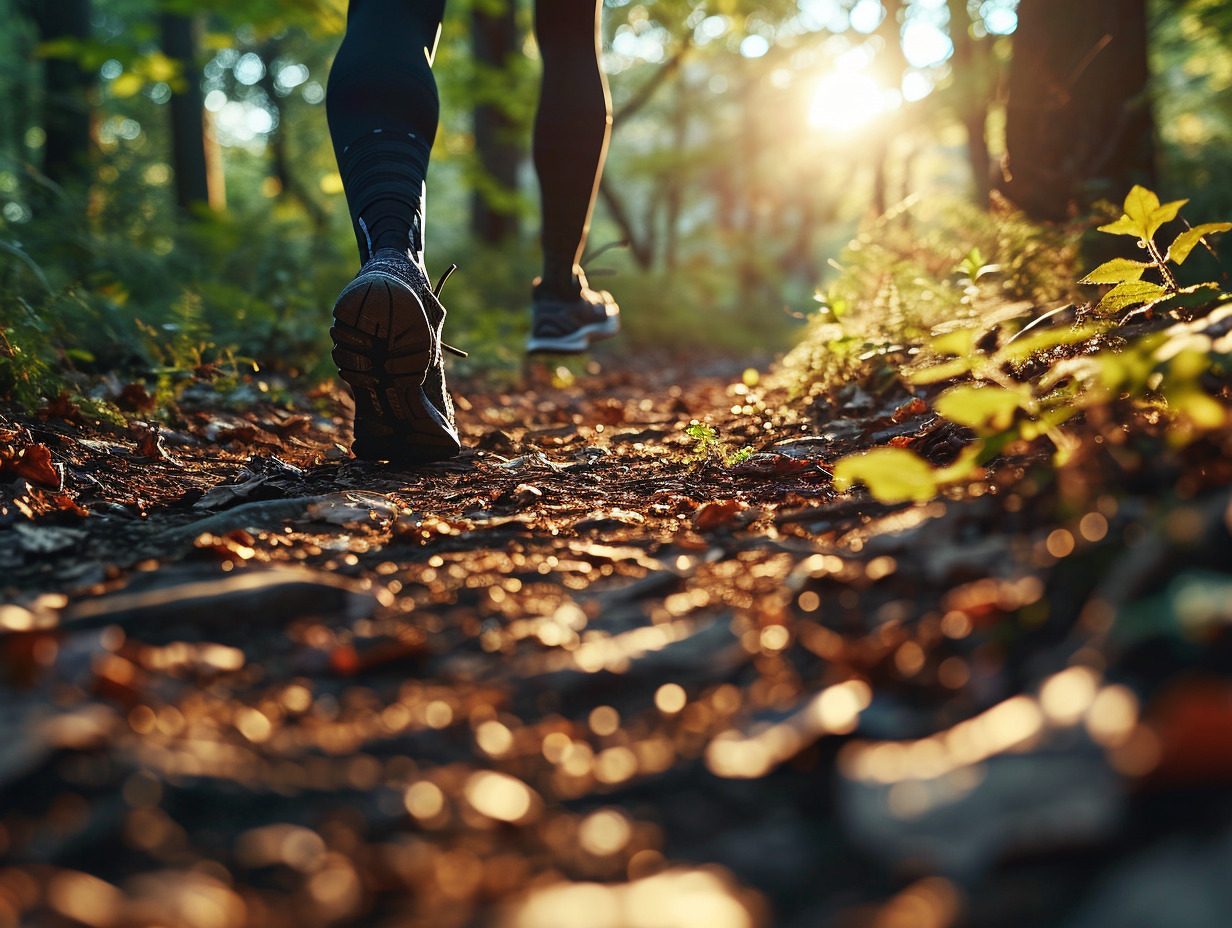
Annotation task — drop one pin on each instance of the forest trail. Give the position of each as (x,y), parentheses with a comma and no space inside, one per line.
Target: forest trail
(250,680)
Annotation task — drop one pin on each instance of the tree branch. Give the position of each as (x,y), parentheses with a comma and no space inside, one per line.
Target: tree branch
(641,253)
(651,87)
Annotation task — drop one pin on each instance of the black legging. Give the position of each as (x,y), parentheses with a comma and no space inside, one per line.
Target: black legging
(382,80)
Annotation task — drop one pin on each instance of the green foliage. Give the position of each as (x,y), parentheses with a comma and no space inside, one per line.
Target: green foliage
(896,475)
(985,408)
(934,263)
(1143,217)
(1078,370)
(710,446)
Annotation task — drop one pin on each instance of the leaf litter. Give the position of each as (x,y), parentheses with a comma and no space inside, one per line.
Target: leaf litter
(598,665)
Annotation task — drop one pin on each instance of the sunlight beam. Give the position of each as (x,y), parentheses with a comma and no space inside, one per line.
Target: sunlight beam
(846,101)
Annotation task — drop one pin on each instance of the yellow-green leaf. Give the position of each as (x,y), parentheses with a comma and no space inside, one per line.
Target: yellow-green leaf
(986,409)
(1143,214)
(1048,420)
(1184,243)
(1202,410)
(1116,271)
(943,371)
(1140,202)
(158,67)
(1143,207)
(1042,339)
(1130,293)
(965,466)
(1124,226)
(892,475)
(1165,213)
(65,46)
(959,342)
(1190,359)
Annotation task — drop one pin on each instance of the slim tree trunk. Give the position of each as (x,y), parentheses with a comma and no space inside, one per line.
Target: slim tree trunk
(891,65)
(1078,124)
(971,93)
(494,38)
(198,178)
(674,194)
(281,162)
(640,247)
(67,112)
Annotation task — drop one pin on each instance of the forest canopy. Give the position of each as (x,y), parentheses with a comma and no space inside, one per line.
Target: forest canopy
(160,164)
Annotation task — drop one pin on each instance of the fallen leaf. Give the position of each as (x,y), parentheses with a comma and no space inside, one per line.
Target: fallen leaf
(913,408)
(244,433)
(34,463)
(524,494)
(61,407)
(150,443)
(717,514)
(610,411)
(62,502)
(135,398)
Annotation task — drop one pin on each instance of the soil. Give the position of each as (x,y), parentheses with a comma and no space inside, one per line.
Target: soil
(605,668)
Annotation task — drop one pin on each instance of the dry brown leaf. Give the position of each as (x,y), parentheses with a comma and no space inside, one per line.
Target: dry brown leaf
(34,463)
(717,514)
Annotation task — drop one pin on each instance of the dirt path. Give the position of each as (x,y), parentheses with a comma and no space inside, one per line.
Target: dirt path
(263,684)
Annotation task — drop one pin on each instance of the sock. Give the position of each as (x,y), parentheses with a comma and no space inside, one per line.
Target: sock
(559,278)
(383,176)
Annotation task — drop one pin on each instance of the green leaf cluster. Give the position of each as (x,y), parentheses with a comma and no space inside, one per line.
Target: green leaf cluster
(1142,219)
(1163,370)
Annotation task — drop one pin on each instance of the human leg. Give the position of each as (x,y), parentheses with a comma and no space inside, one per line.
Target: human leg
(383,109)
(571,132)
(572,128)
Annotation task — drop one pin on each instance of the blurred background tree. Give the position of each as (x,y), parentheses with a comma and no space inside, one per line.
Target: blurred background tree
(1079,119)
(167,178)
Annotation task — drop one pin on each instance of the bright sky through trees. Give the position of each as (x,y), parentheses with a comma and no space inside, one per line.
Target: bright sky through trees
(848,98)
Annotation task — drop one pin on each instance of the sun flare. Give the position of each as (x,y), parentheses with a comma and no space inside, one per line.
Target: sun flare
(846,101)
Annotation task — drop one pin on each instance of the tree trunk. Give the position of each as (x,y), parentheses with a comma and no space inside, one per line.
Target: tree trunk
(673,197)
(890,66)
(198,179)
(971,91)
(281,162)
(67,113)
(494,38)
(1078,124)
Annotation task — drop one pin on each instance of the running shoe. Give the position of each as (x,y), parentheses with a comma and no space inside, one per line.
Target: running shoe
(568,325)
(388,349)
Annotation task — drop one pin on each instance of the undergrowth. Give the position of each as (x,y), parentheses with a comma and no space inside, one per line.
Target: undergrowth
(928,263)
(1065,381)
(84,294)
(110,287)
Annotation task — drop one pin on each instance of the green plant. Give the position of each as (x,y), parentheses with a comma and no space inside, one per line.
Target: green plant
(1142,219)
(935,263)
(710,446)
(1042,378)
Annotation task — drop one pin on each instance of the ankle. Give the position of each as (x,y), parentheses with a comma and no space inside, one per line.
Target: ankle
(561,278)
(390,223)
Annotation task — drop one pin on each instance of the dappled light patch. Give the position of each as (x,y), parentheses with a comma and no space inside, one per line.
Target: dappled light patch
(672,899)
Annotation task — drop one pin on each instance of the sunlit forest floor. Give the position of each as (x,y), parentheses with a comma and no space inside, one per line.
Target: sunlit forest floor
(630,660)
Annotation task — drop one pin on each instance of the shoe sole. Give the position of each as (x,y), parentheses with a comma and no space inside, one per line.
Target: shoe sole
(577,342)
(383,348)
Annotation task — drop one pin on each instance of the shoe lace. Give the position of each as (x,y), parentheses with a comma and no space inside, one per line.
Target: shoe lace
(436,292)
